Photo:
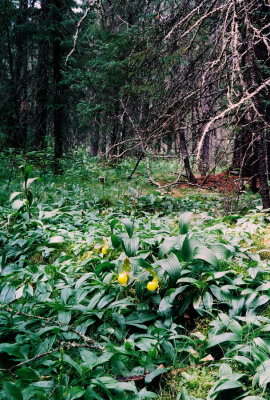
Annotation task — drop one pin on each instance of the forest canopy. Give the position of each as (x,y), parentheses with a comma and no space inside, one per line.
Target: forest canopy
(179,78)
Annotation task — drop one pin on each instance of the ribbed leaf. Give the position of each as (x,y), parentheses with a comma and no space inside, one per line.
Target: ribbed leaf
(172,266)
(154,374)
(222,338)
(205,254)
(221,251)
(167,246)
(184,222)
(129,225)
(131,246)
(12,391)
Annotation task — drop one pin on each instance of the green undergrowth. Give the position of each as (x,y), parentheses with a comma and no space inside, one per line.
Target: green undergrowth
(114,290)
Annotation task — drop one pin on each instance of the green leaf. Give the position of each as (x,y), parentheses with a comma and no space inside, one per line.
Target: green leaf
(56,240)
(186,250)
(27,374)
(154,374)
(203,253)
(165,307)
(8,294)
(116,241)
(221,251)
(244,361)
(185,395)
(262,376)
(228,385)
(129,225)
(172,266)
(111,383)
(67,359)
(14,195)
(64,317)
(131,246)
(145,394)
(65,294)
(222,338)
(184,222)
(12,391)
(18,204)
(30,181)
(10,348)
(207,301)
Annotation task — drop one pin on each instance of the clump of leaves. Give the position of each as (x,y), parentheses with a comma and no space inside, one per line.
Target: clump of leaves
(70,328)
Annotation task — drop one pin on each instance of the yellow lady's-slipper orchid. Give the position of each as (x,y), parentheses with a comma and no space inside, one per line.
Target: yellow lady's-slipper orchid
(123,278)
(152,285)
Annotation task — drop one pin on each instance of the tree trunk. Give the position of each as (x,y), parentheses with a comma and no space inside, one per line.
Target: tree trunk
(59,88)
(185,156)
(42,71)
(19,135)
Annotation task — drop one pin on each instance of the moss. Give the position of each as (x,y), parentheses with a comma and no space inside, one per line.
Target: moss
(197,380)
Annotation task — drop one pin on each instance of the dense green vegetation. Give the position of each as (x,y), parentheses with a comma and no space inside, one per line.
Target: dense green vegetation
(71,328)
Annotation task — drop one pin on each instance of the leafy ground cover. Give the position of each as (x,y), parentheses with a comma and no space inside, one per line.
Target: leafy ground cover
(113,290)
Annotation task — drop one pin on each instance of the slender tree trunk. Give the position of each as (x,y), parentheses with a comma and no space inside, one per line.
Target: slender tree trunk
(185,156)
(42,72)
(58,105)
(95,137)
(20,73)
(59,88)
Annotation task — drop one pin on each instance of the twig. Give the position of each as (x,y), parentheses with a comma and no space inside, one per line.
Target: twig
(79,23)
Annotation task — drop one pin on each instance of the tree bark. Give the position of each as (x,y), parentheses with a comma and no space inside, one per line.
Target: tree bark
(185,156)
(42,77)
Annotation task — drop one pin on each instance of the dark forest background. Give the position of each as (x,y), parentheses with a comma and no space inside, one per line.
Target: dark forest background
(170,78)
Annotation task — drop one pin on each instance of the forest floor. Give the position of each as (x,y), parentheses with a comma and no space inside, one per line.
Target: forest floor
(222,182)
(112,289)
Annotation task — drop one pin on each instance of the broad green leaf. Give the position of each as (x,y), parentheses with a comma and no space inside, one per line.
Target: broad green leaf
(131,246)
(187,249)
(30,181)
(14,195)
(145,394)
(185,395)
(244,361)
(64,317)
(18,204)
(12,391)
(129,225)
(207,301)
(27,374)
(205,254)
(65,294)
(221,251)
(165,307)
(116,241)
(222,338)
(12,349)
(56,240)
(172,266)
(184,222)
(228,385)
(67,359)
(82,280)
(154,374)
(262,376)
(8,294)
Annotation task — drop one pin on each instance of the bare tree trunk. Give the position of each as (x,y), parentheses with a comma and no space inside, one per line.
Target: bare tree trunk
(58,100)
(185,156)
(42,71)
(19,136)
(95,137)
